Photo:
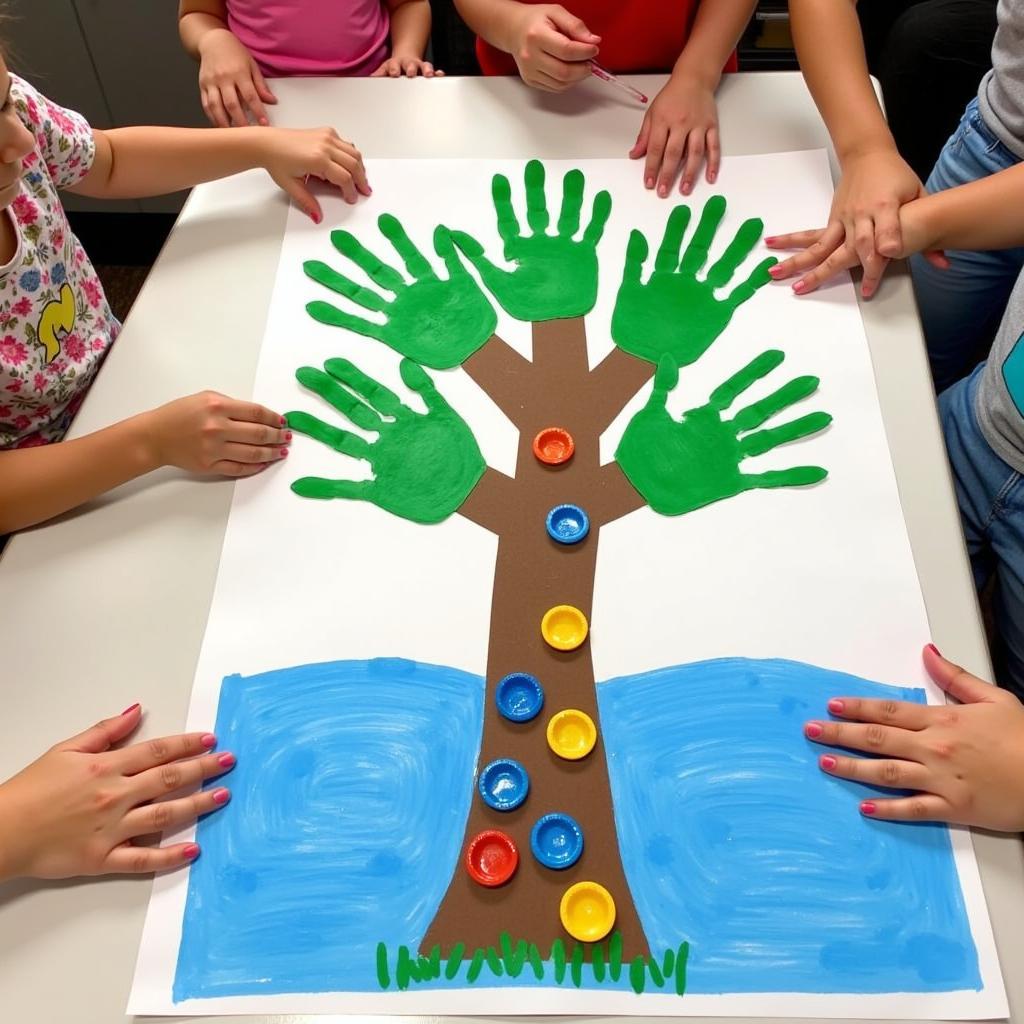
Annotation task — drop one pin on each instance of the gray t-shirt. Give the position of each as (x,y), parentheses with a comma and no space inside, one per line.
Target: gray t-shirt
(999,401)
(1001,93)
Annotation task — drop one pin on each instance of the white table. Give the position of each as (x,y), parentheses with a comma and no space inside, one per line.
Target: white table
(108,605)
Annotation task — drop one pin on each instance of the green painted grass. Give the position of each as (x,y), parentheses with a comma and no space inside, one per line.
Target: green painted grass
(667,973)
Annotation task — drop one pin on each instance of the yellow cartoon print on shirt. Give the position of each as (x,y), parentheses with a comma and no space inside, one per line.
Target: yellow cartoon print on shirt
(56,322)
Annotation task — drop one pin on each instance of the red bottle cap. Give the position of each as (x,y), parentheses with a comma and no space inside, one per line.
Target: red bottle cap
(553,446)
(491,858)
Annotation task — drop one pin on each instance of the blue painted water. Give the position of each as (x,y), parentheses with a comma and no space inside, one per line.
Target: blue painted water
(354,783)
(734,839)
(349,803)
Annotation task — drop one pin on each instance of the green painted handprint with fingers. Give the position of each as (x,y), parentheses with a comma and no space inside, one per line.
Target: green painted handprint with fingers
(424,464)
(555,276)
(682,465)
(436,321)
(674,312)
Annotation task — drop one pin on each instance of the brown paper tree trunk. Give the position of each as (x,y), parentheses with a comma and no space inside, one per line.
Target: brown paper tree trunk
(534,573)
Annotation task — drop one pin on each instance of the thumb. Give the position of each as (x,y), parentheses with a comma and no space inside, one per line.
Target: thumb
(304,199)
(104,734)
(262,89)
(573,27)
(957,682)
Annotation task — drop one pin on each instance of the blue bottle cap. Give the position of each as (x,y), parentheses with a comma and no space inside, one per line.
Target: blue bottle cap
(557,841)
(519,697)
(568,524)
(504,784)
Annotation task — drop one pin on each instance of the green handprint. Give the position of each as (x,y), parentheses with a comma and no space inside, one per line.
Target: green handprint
(434,321)
(424,465)
(682,465)
(554,276)
(675,313)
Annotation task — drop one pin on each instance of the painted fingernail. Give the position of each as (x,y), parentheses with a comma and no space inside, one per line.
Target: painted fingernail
(836,706)
(813,730)
(827,762)
(649,183)
(712,177)
(800,287)
(283,452)
(287,435)
(283,421)
(128,711)
(931,647)
(221,796)
(663,191)
(191,851)
(687,188)
(226,760)
(768,239)
(868,807)
(208,740)
(775,271)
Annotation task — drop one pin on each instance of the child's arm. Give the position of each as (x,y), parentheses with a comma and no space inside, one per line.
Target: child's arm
(146,161)
(682,122)
(205,433)
(231,84)
(410,31)
(963,763)
(876,181)
(550,45)
(76,810)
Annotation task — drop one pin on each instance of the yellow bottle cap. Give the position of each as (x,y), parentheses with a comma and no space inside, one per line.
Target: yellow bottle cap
(587,911)
(564,627)
(571,734)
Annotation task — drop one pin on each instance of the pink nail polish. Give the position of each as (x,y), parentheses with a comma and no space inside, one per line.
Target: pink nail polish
(775,271)
(836,706)
(931,647)
(226,760)
(221,796)
(800,287)
(827,762)
(191,851)
(649,183)
(283,452)
(663,191)
(868,807)
(813,730)
(283,421)
(687,188)
(128,711)
(208,740)
(768,239)
(287,435)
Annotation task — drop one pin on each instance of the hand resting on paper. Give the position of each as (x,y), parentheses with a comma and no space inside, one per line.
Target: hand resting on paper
(76,810)
(965,762)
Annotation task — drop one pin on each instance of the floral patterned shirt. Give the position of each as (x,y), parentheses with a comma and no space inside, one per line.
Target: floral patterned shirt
(55,323)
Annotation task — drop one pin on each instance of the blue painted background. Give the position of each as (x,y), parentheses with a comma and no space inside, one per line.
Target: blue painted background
(734,839)
(349,803)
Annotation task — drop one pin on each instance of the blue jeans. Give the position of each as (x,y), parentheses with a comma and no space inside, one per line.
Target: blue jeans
(990,494)
(961,307)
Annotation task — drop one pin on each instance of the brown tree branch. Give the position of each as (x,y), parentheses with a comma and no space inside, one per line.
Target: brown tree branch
(489,502)
(503,374)
(614,381)
(618,496)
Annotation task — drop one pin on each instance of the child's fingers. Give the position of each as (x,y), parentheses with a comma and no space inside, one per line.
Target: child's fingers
(142,860)
(902,714)
(655,151)
(247,432)
(380,72)
(166,815)
(215,108)
(148,754)
(869,739)
(640,146)
(262,88)
(714,154)
(888,772)
(349,160)
(238,470)
(427,68)
(695,149)
(923,807)
(252,412)
(232,451)
(844,258)
(794,240)
(675,150)
(104,734)
(169,778)
(253,103)
(829,241)
(411,68)
(229,97)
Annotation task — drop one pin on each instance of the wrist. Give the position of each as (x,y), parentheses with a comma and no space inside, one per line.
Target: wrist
(144,444)
(876,143)
(214,37)
(10,860)
(695,72)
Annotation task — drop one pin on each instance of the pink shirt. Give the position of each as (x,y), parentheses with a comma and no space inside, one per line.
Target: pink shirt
(312,37)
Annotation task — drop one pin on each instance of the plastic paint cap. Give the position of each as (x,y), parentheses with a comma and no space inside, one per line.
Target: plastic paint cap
(571,734)
(519,697)
(491,858)
(553,446)
(557,841)
(567,524)
(564,627)
(503,784)
(587,911)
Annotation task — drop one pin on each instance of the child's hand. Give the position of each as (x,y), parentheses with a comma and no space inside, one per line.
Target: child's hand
(292,155)
(680,128)
(552,48)
(77,809)
(966,762)
(209,433)
(231,84)
(396,66)
(863,227)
